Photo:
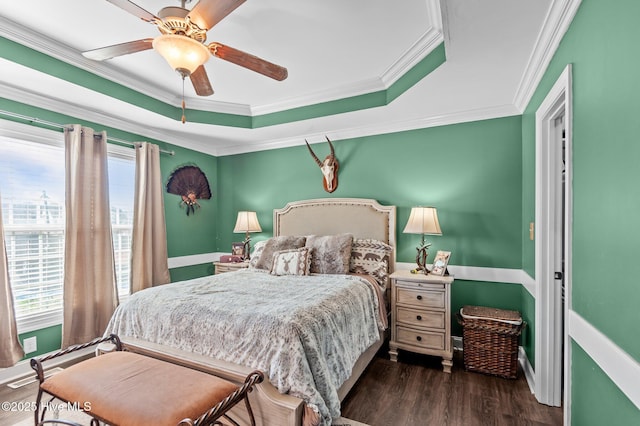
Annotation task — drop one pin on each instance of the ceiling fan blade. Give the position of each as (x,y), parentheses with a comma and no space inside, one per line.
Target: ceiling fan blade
(109,52)
(207,13)
(134,9)
(200,82)
(248,61)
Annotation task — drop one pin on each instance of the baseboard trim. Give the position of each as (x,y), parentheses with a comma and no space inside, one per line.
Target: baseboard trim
(527,369)
(456,342)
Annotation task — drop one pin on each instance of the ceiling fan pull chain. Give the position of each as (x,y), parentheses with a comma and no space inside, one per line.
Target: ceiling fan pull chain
(184,119)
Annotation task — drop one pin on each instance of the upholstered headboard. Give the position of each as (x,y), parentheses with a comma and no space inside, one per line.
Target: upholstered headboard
(364,218)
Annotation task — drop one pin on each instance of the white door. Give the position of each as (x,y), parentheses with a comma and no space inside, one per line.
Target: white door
(553,240)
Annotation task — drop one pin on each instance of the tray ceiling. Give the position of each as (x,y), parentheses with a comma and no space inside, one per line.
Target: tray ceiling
(334,50)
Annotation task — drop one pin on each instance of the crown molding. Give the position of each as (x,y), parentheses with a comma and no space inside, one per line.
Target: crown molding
(37,100)
(336,93)
(36,41)
(422,47)
(378,129)
(190,142)
(412,56)
(555,26)
(418,51)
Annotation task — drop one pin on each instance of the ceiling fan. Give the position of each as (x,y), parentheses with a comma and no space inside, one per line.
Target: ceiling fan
(182,41)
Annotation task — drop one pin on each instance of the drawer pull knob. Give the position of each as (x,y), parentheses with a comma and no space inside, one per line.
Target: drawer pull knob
(419,317)
(419,338)
(419,297)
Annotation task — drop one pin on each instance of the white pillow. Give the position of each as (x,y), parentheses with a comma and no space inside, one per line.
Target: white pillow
(291,262)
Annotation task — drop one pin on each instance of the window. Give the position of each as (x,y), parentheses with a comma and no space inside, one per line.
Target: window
(32,187)
(121,192)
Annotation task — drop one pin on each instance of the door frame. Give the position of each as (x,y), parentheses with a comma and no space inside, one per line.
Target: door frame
(549,336)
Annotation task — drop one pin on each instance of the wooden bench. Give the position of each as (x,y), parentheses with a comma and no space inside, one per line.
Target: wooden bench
(125,388)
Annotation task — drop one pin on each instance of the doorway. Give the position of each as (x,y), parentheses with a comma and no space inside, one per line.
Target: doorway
(553,243)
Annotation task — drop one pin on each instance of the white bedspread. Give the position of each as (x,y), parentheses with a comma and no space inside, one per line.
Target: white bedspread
(304,332)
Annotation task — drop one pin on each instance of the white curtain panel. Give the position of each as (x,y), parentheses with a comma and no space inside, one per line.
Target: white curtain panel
(10,349)
(149,263)
(90,293)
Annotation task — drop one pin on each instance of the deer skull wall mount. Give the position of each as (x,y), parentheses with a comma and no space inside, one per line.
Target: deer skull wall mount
(329,167)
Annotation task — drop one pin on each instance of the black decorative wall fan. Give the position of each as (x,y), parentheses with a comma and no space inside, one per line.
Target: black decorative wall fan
(191,184)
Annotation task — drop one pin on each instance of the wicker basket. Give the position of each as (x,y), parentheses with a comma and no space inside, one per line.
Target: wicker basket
(490,340)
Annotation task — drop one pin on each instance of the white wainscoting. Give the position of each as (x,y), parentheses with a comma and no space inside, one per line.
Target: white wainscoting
(621,368)
(194,259)
(495,275)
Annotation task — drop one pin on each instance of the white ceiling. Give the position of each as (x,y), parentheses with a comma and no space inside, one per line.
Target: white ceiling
(332,49)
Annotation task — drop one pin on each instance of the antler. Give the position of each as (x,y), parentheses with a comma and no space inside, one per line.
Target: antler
(315,157)
(333,154)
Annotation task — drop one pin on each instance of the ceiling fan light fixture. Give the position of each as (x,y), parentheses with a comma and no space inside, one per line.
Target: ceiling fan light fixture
(183,54)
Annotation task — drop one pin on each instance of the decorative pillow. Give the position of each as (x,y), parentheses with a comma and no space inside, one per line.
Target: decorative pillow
(274,244)
(257,251)
(371,257)
(330,253)
(291,262)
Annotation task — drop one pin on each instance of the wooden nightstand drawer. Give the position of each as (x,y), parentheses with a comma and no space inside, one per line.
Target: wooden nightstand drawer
(222,267)
(420,298)
(416,318)
(419,338)
(424,286)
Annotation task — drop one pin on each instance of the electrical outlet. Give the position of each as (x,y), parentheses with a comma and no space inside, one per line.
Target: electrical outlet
(30,345)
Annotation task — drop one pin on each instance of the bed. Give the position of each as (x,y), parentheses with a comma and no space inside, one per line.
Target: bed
(312,335)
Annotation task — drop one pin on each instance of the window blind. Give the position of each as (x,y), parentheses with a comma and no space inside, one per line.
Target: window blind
(32,190)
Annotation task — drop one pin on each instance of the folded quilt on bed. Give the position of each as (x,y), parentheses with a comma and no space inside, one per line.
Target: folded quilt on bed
(304,332)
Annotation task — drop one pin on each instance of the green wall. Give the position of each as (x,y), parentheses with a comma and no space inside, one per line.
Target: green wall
(528,311)
(480,293)
(47,339)
(193,234)
(598,401)
(471,172)
(601,43)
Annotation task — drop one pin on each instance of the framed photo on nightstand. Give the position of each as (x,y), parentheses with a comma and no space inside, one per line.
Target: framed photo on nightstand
(237,249)
(440,263)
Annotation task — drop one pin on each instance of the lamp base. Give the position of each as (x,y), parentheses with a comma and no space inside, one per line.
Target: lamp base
(421,260)
(246,250)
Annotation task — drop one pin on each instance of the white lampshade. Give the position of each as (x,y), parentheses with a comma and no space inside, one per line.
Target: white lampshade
(247,222)
(423,220)
(181,52)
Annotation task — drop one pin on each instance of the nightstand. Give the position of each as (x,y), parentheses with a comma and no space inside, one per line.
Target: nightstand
(421,315)
(222,267)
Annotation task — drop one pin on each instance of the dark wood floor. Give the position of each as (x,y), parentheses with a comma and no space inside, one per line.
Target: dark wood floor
(411,392)
(415,392)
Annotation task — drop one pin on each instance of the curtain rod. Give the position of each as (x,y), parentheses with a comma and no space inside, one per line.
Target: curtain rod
(62,127)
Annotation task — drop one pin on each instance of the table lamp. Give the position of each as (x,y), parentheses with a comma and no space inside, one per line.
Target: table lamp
(247,222)
(424,221)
